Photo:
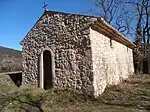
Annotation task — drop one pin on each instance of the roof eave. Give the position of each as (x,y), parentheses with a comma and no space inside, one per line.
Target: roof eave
(103,27)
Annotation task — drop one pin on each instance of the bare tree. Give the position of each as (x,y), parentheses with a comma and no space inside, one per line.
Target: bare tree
(124,15)
(115,12)
(143,17)
(130,17)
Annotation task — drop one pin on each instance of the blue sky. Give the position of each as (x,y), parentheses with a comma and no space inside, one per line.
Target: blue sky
(18,16)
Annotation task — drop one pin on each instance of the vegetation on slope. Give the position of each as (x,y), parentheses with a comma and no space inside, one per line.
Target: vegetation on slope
(130,96)
(10,52)
(10,60)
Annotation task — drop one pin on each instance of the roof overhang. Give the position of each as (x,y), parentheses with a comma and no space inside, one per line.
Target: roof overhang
(104,28)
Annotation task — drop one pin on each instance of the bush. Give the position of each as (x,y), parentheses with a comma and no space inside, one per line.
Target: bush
(9,64)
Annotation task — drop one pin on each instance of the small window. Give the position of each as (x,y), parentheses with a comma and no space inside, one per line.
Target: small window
(111,43)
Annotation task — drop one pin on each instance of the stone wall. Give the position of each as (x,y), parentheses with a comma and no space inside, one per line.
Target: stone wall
(68,38)
(112,61)
(84,59)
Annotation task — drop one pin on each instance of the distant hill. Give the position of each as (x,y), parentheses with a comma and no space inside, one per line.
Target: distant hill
(10,59)
(10,52)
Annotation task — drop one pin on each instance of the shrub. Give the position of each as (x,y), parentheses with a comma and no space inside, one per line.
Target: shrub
(9,64)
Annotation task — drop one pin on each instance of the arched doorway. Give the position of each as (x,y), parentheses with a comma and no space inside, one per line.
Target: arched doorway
(46,70)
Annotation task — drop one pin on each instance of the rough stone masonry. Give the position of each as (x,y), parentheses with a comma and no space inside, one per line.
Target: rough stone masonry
(87,54)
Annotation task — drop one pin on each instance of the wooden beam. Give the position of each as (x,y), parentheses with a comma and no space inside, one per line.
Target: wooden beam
(15,72)
(111,33)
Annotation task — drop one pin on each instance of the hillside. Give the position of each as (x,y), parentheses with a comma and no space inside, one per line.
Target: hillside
(132,95)
(10,52)
(10,59)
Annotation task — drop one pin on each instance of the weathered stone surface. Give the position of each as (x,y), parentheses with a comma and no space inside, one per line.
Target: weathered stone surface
(83,58)
(112,61)
(70,46)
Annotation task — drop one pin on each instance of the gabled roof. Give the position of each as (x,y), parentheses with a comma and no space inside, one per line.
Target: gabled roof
(103,27)
(99,25)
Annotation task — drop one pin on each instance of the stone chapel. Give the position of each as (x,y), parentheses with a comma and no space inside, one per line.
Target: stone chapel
(77,52)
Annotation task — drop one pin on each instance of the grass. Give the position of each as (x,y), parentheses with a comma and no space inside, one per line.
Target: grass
(132,95)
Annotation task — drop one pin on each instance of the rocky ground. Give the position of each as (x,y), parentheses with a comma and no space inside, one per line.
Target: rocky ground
(133,95)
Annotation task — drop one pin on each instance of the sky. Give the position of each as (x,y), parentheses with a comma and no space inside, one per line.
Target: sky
(18,16)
